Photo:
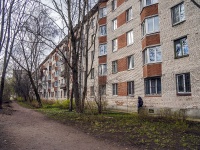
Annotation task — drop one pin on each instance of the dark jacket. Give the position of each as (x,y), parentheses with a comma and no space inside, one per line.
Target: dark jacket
(140,102)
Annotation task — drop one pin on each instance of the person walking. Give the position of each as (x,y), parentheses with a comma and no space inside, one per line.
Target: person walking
(140,103)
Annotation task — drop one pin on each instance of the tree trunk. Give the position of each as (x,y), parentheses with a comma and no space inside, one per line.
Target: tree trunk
(71,100)
(1,89)
(76,90)
(35,89)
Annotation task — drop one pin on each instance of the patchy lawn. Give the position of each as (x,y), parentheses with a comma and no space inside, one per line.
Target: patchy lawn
(133,130)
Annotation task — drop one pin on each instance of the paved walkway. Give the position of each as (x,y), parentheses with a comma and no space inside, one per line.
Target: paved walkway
(27,129)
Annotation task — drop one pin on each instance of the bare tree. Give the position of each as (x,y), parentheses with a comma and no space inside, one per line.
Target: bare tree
(21,84)
(31,45)
(11,18)
(77,17)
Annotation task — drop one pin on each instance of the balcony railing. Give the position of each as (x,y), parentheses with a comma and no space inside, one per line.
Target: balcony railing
(63,73)
(63,86)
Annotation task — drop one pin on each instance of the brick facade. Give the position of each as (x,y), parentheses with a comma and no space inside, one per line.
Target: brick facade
(120,2)
(121,41)
(150,40)
(121,19)
(149,11)
(102,59)
(102,39)
(166,69)
(152,70)
(122,64)
(122,89)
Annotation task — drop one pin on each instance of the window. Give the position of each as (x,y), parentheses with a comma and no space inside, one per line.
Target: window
(102,49)
(114,4)
(114,45)
(102,90)
(114,89)
(49,77)
(131,62)
(150,25)
(52,94)
(114,66)
(92,22)
(130,88)
(56,94)
(102,69)
(129,37)
(55,83)
(92,73)
(129,14)
(153,86)
(114,23)
(152,55)
(178,13)
(65,93)
(145,3)
(102,12)
(183,83)
(92,91)
(56,64)
(92,38)
(92,55)
(181,47)
(56,73)
(102,30)
(50,68)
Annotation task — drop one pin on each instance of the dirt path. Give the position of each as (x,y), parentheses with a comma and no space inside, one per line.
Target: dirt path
(26,129)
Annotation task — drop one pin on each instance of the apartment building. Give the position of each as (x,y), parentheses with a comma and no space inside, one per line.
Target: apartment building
(52,84)
(146,48)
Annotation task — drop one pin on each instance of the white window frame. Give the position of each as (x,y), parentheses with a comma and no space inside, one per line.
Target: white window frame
(184,50)
(114,45)
(131,83)
(114,24)
(129,14)
(145,29)
(150,86)
(114,5)
(102,49)
(130,62)
(102,30)
(102,69)
(144,3)
(92,55)
(180,12)
(130,37)
(92,73)
(56,84)
(184,83)
(147,55)
(114,66)
(114,89)
(102,12)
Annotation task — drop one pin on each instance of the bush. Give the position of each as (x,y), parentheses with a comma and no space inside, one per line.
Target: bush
(19,99)
(57,104)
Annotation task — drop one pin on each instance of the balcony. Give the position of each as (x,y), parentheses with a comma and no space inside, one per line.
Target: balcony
(63,86)
(62,74)
(49,78)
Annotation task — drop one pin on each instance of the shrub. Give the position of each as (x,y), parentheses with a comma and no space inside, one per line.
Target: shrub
(19,99)
(59,104)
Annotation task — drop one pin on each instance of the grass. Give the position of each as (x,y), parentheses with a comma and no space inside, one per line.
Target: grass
(132,130)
